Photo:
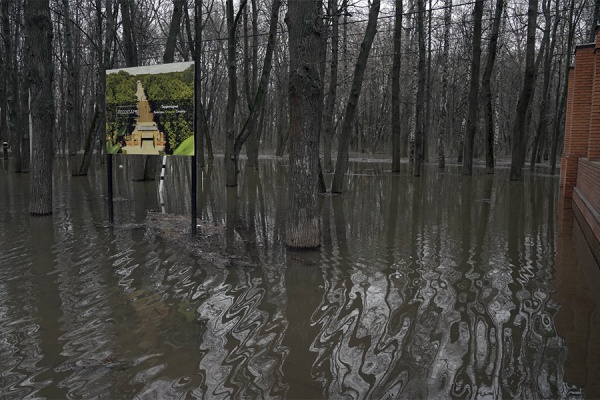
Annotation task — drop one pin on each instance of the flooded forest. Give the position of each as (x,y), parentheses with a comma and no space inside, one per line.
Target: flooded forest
(367,207)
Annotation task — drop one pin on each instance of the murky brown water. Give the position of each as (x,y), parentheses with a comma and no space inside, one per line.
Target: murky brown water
(438,287)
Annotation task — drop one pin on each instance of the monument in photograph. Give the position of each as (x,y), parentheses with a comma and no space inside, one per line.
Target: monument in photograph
(150,110)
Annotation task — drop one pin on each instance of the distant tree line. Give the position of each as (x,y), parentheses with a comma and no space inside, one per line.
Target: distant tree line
(426,80)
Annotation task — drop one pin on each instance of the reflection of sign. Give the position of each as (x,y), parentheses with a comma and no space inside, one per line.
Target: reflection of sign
(150,109)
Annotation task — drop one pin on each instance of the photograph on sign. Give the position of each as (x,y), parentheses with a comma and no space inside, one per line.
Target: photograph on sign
(150,110)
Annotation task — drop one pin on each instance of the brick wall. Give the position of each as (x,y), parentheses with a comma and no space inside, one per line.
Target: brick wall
(579,183)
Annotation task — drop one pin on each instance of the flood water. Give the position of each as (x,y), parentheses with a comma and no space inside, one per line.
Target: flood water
(442,286)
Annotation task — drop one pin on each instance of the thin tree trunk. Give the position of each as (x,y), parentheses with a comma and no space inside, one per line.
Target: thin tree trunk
(329,121)
(486,88)
(396,67)
(359,72)
(420,100)
(473,90)
(72,82)
(200,123)
(253,141)
(519,134)
(544,114)
(174,28)
(303,224)
(40,73)
(445,121)
(131,55)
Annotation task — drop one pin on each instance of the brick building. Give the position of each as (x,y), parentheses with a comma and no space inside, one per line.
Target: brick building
(579,196)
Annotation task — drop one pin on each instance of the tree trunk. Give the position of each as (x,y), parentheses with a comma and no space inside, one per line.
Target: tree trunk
(230,156)
(200,125)
(544,112)
(396,67)
(174,28)
(303,227)
(253,141)
(40,73)
(359,72)
(10,73)
(486,88)
(72,83)
(444,120)
(329,121)
(473,90)
(131,55)
(519,134)
(234,142)
(420,100)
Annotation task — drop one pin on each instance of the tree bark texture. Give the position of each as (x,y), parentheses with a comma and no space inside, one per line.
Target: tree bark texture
(519,141)
(303,226)
(396,66)
(72,82)
(473,90)
(348,123)
(40,74)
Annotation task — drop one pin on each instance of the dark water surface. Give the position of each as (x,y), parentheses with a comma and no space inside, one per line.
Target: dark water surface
(438,287)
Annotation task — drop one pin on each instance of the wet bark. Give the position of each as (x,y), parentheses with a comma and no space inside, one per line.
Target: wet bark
(396,66)
(486,89)
(520,130)
(473,90)
(174,29)
(303,227)
(359,72)
(40,74)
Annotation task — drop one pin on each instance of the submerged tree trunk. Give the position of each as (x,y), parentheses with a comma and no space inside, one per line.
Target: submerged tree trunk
(303,227)
(445,123)
(396,66)
(329,121)
(544,112)
(200,125)
(72,78)
(420,100)
(473,90)
(519,134)
(359,72)
(40,74)
(235,142)
(486,88)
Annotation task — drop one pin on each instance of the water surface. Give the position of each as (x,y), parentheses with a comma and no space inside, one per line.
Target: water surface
(442,286)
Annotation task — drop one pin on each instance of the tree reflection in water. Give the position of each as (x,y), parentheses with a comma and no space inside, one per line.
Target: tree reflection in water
(436,287)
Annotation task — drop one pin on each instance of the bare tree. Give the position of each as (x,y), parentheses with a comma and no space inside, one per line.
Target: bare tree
(473,90)
(420,98)
(303,227)
(444,120)
(359,72)
(486,88)
(519,140)
(174,29)
(38,26)
(396,67)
